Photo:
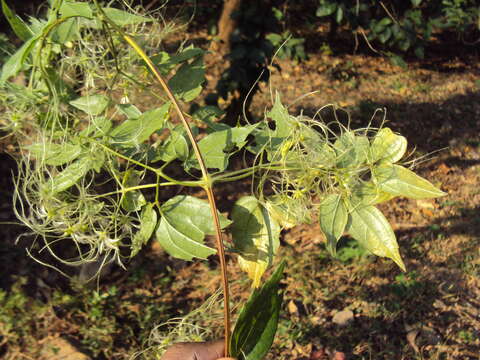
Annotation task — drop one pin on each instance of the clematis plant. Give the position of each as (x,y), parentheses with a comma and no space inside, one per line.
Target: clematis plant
(96,163)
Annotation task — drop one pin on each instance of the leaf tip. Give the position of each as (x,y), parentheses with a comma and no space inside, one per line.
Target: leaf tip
(400,264)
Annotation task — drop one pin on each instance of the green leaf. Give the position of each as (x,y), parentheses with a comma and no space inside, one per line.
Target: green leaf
(371,229)
(256,325)
(136,131)
(271,140)
(187,82)
(326,10)
(129,110)
(217,147)
(351,149)
(74,8)
(399,181)
(339,15)
(283,122)
(381,25)
(404,45)
(91,104)
(69,176)
(98,126)
(97,159)
(420,52)
(255,235)
(333,220)
(16,23)
(398,61)
(148,222)
(184,223)
(123,18)
(385,35)
(388,146)
(132,200)
(208,114)
(55,154)
(176,146)
(67,31)
(275,39)
(187,54)
(15,62)
(416,2)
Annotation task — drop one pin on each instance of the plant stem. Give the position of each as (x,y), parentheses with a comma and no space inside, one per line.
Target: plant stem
(158,172)
(208,187)
(206,176)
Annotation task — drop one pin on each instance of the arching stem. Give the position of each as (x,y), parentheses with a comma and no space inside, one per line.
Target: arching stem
(208,184)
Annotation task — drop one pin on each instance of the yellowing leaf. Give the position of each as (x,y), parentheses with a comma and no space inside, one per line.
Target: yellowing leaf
(388,146)
(255,236)
(333,220)
(367,193)
(399,181)
(371,229)
(281,212)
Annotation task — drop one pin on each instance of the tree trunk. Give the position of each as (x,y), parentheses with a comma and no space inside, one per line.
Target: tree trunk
(226,26)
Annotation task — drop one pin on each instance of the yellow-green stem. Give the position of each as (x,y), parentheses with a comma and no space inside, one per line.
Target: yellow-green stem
(206,176)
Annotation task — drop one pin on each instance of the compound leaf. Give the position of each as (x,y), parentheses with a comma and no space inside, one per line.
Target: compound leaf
(184,223)
(256,326)
(388,146)
(255,235)
(399,181)
(91,104)
(371,229)
(148,221)
(333,220)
